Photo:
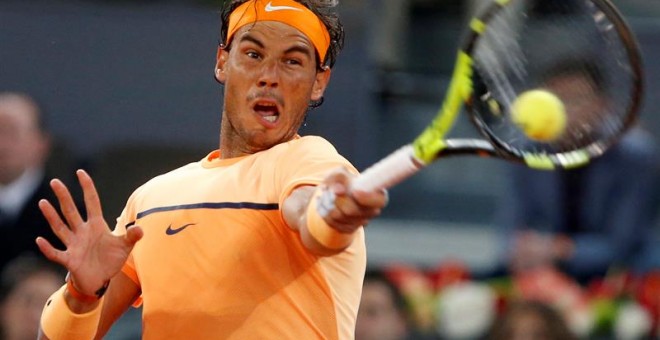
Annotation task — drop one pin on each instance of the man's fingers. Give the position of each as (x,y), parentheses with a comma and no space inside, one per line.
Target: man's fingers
(338,181)
(55,255)
(58,226)
(92,201)
(344,209)
(377,199)
(69,209)
(133,234)
(347,214)
(360,206)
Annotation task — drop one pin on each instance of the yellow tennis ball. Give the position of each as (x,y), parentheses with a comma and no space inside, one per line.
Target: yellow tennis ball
(539,114)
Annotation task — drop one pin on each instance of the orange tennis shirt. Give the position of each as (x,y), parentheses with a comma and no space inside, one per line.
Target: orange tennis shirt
(217,260)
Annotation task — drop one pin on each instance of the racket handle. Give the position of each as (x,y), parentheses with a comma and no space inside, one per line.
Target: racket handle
(389,171)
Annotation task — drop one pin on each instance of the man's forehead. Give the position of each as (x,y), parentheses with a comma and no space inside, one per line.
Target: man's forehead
(279,29)
(268,33)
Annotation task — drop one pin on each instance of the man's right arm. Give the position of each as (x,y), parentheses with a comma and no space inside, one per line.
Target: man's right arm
(334,231)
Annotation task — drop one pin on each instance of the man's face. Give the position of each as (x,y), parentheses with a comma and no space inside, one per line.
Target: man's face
(378,317)
(270,76)
(21,310)
(21,142)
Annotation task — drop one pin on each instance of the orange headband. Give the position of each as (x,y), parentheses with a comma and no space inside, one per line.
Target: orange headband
(289,12)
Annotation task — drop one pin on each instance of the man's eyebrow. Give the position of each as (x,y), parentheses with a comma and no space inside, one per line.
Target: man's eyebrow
(248,37)
(297,48)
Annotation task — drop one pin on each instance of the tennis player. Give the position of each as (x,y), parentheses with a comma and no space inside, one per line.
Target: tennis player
(233,246)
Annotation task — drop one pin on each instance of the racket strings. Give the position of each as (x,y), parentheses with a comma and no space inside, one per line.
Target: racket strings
(570,47)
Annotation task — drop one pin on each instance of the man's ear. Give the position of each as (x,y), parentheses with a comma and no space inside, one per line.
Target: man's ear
(221,60)
(321,82)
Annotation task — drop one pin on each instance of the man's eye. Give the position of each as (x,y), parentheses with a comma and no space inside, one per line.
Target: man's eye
(253,54)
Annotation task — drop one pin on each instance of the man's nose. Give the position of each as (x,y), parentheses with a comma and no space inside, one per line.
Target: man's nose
(269,74)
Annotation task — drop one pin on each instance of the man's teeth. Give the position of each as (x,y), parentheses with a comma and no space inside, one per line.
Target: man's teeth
(270,118)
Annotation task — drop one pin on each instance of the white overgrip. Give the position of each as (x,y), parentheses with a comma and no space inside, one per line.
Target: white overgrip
(389,171)
(384,174)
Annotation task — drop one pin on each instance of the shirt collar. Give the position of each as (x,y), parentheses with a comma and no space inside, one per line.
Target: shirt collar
(14,195)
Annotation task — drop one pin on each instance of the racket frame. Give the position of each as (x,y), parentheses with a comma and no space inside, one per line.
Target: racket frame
(431,144)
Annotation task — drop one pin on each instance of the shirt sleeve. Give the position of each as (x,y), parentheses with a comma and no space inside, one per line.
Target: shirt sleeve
(307,163)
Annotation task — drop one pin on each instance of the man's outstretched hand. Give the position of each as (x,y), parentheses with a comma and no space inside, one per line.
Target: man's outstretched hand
(93,254)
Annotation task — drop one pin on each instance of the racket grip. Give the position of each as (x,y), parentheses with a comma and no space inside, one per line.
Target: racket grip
(389,171)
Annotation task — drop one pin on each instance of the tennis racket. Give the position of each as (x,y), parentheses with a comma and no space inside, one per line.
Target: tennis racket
(582,51)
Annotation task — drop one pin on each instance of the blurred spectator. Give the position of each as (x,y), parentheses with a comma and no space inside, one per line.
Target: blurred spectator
(382,314)
(589,219)
(584,220)
(465,310)
(25,285)
(530,320)
(24,149)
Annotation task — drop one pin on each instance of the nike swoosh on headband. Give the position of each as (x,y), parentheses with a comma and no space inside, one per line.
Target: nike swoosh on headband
(270,8)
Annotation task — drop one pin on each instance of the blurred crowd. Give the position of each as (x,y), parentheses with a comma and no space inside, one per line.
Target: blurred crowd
(543,299)
(448,302)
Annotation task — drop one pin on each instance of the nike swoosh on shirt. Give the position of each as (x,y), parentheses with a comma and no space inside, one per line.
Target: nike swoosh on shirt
(170,231)
(271,8)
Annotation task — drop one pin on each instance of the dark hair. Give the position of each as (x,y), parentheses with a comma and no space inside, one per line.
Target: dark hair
(554,325)
(379,276)
(322,9)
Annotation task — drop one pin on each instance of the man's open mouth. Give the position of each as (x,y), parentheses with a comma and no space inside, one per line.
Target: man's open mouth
(267,110)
